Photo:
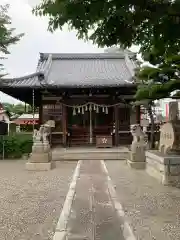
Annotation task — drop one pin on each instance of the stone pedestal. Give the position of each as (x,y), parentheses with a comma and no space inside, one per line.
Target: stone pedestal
(40,158)
(136,165)
(39,166)
(137,156)
(43,157)
(165,168)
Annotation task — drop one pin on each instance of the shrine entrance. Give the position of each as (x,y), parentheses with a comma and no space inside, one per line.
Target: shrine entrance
(84,125)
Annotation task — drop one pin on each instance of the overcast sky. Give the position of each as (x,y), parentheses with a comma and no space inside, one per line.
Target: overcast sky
(24,55)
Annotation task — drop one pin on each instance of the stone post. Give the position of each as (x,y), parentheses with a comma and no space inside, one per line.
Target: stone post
(173,111)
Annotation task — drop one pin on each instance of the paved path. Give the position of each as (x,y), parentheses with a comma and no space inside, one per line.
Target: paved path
(93,215)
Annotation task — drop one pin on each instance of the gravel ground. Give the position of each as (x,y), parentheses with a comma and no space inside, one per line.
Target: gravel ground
(31,202)
(153,210)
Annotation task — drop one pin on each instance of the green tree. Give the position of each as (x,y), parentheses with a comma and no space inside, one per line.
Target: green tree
(18,108)
(155,83)
(6,33)
(159,82)
(152,25)
(7,36)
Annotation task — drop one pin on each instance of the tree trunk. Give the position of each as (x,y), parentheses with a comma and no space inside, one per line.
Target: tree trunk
(152,137)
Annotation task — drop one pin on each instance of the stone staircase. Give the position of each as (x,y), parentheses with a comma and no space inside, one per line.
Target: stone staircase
(62,154)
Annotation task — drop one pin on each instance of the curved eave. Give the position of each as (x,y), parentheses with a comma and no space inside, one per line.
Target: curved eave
(31,80)
(34,83)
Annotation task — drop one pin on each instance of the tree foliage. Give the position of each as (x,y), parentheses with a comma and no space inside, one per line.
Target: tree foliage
(17,108)
(7,36)
(159,82)
(152,24)
(6,33)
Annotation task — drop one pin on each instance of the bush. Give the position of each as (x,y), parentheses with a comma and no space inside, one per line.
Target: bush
(15,146)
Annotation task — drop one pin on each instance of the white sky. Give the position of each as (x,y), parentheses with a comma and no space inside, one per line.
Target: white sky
(24,55)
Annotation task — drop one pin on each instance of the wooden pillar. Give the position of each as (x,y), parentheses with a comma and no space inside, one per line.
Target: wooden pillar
(25,110)
(64,125)
(138,114)
(116,111)
(41,113)
(40,101)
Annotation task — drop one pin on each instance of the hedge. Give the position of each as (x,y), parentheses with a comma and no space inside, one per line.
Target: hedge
(15,146)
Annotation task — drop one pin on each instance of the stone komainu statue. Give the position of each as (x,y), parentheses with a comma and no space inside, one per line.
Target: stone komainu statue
(138,134)
(42,134)
(139,144)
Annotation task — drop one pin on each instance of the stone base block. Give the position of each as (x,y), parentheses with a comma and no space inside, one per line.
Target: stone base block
(40,157)
(167,180)
(39,166)
(153,172)
(165,168)
(137,154)
(136,165)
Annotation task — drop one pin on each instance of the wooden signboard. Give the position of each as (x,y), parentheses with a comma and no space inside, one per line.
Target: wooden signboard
(52,110)
(104,141)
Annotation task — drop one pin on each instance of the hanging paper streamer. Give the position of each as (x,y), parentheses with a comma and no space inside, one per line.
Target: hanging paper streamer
(103,109)
(106,110)
(94,107)
(90,108)
(97,109)
(86,109)
(82,110)
(74,111)
(79,109)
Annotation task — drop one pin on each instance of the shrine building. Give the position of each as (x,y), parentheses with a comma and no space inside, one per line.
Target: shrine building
(87,95)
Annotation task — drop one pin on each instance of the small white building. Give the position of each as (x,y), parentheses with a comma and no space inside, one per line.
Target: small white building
(4,116)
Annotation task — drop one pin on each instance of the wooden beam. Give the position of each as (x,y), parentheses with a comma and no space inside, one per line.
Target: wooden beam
(126,97)
(53,98)
(87,96)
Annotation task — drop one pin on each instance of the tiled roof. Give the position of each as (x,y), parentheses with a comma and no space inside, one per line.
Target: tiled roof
(26,81)
(78,70)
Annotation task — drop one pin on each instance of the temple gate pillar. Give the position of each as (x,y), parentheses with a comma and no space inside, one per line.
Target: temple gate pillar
(138,114)
(64,125)
(116,111)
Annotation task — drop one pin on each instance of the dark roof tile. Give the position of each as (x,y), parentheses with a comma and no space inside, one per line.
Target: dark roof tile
(78,70)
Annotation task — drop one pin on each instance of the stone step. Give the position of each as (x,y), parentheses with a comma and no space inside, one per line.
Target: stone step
(101,155)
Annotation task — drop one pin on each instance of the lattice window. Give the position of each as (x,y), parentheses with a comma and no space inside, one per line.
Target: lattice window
(53,112)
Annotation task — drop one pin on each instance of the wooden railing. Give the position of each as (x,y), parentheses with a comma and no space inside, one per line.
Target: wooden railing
(125,137)
(81,136)
(78,136)
(56,138)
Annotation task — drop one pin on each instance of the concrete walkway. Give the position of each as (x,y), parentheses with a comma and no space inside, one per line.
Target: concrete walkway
(94,212)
